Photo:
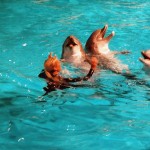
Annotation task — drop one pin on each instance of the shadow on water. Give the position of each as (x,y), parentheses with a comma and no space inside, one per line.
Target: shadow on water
(121,88)
(70,113)
(137,80)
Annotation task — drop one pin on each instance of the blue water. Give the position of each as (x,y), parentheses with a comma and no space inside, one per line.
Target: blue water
(111,113)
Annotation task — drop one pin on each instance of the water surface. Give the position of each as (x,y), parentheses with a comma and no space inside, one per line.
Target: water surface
(112,112)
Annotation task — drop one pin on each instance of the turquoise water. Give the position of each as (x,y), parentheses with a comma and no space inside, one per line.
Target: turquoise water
(111,113)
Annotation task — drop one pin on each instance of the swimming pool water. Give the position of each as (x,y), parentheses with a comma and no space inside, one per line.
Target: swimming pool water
(111,113)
